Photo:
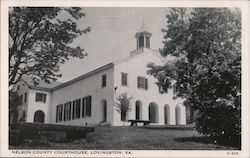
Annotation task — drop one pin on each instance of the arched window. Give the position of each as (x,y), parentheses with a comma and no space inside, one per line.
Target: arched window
(39,116)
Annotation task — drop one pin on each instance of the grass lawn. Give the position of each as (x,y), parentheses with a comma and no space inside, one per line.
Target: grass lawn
(139,138)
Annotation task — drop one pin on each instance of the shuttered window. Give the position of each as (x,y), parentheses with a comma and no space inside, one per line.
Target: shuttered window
(104,80)
(41,97)
(88,106)
(67,111)
(59,113)
(142,82)
(76,108)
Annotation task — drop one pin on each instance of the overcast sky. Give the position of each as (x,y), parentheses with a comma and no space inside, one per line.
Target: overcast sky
(112,36)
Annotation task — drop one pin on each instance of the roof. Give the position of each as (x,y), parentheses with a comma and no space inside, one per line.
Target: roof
(41,84)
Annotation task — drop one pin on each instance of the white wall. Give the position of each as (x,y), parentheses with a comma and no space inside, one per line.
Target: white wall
(137,66)
(34,106)
(91,85)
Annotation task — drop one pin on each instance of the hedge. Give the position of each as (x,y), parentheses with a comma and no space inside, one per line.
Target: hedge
(19,132)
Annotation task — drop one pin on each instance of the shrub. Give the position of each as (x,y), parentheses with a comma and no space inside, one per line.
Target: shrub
(222,123)
(37,131)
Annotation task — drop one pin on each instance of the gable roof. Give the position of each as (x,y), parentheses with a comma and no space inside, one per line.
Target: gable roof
(41,84)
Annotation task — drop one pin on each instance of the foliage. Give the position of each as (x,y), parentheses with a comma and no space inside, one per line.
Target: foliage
(40,39)
(207,66)
(33,131)
(123,106)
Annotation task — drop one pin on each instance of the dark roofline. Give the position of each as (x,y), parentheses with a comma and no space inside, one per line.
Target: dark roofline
(83,76)
(39,88)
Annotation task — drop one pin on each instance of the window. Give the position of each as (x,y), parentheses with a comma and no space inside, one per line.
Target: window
(40,97)
(59,112)
(147,42)
(104,79)
(83,107)
(88,106)
(141,41)
(142,82)
(20,100)
(124,79)
(76,108)
(25,97)
(67,111)
(18,87)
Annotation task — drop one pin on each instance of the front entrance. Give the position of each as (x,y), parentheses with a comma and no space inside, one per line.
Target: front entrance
(39,117)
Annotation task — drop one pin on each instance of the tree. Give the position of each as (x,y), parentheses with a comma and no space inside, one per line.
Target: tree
(40,39)
(206,44)
(123,106)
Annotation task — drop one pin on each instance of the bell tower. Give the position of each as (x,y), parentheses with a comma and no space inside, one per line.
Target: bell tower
(143,37)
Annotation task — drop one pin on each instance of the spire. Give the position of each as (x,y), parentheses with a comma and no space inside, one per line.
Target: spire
(143,26)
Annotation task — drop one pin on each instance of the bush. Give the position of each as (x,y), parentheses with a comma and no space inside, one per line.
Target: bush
(222,123)
(19,132)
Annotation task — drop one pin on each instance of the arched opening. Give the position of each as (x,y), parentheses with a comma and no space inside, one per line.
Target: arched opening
(166,114)
(39,116)
(189,115)
(153,113)
(104,110)
(178,115)
(138,110)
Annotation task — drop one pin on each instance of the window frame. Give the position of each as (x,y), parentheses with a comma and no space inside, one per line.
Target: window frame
(88,109)
(142,83)
(147,42)
(76,109)
(141,41)
(104,80)
(67,111)
(59,113)
(124,79)
(43,98)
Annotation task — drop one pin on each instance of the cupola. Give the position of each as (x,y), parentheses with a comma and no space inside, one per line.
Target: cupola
(143,37)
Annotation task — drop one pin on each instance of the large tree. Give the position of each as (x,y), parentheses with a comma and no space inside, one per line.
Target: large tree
(206,44)
(40,39)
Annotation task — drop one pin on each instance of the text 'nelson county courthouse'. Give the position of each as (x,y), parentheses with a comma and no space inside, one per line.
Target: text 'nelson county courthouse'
(90,99)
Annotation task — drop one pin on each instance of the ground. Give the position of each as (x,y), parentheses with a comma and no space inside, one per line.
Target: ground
(140,138)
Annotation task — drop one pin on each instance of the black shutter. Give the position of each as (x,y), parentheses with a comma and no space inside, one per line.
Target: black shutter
(57,113)
(69,111)
(83,107)
(88,106)
(64,113)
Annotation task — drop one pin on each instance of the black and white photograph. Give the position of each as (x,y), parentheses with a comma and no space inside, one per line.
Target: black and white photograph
(93,81)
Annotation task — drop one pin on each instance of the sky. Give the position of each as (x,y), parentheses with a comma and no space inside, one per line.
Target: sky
(112,36)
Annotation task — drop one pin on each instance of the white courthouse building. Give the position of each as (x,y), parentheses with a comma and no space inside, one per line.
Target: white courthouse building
(90,99)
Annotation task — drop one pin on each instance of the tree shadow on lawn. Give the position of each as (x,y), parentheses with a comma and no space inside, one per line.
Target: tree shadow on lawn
(210,140)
